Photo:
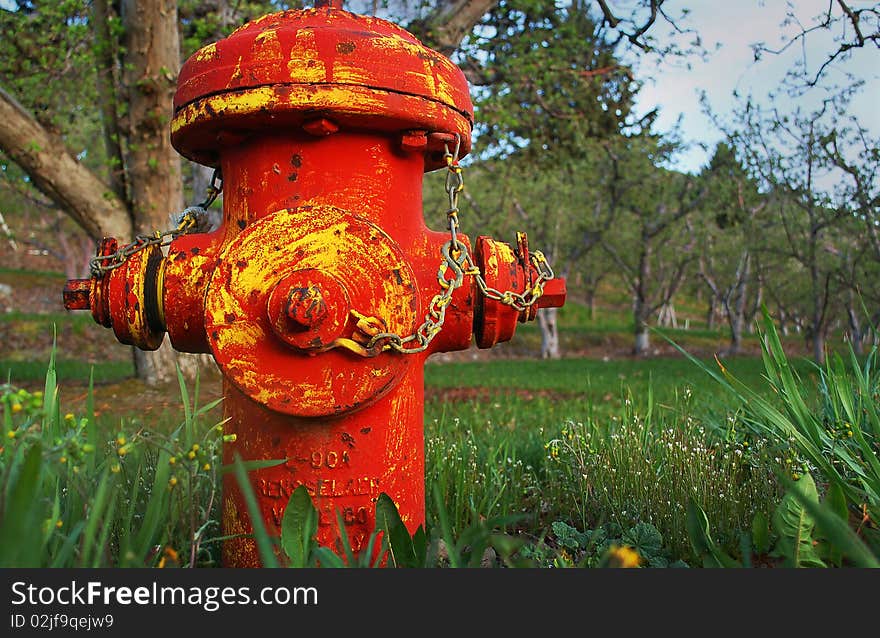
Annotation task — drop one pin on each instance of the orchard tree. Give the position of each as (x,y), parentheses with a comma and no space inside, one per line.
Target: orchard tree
(653,245)
(727,228)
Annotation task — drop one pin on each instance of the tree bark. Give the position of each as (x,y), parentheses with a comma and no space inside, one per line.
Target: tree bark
(73,187)
(855,325)
(450,22)
(549,333)
(152,61)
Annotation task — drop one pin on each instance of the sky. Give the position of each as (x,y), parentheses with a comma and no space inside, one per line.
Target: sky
(734,25)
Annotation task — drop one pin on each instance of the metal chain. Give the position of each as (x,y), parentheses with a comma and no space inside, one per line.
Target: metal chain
(189,219)
(457,258)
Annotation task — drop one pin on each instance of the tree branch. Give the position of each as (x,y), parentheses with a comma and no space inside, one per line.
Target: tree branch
(72,186)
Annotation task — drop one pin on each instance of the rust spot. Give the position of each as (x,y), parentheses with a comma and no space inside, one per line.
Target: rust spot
(397,276)
(195,250)
(241,263)
(215,336)
(345,47)
(242,223)
(366,430)
(292,177)
(230,317)
(348,439)
(137,306)
(179,256)
(276,248)
(296,161)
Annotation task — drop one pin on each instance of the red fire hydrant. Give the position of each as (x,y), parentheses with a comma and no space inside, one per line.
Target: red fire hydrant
(322,293)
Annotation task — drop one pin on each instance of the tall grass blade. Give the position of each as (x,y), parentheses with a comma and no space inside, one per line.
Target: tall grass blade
(265,545)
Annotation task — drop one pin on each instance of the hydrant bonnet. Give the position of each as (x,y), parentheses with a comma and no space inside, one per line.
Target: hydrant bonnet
(304,65)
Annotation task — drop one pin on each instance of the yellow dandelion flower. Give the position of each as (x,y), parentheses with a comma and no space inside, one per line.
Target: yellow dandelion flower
(195,447)
(172,460)
(115,468)
(622,556)
(172,481)
(120,440)
(63,459)
(206,466)
(69,417)
(191,455)
(59,524)
(16,407)
(11,434)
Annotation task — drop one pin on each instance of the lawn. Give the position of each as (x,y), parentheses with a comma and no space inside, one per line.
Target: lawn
(528,462)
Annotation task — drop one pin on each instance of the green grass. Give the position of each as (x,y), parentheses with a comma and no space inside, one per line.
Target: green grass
(67,370)
(596,382)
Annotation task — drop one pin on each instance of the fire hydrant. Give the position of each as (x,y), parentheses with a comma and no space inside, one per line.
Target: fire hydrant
(322,293)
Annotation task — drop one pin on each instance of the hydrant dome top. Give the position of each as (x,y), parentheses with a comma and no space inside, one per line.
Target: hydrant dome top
(323,62)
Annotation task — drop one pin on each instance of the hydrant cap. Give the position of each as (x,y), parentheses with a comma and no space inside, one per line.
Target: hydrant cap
(317,62)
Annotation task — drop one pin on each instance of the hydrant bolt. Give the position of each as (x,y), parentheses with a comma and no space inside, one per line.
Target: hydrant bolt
(306,307)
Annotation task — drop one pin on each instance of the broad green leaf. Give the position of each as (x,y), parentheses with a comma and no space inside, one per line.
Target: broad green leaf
(298,527)
(760,533)
(794,525)
(400,543)
(701,539)
(835,529)
(645,539)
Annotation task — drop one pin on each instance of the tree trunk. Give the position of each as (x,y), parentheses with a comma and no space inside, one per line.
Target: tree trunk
(591,303)
(711,311)
(819,347)
(737,311)
(152,61)
(640,318)
(549,333)
(855,326)
(642,340)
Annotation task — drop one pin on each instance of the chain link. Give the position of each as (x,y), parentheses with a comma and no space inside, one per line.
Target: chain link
(189,219)
(457,258)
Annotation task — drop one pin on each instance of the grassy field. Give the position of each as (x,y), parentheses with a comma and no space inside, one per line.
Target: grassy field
(569,462)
